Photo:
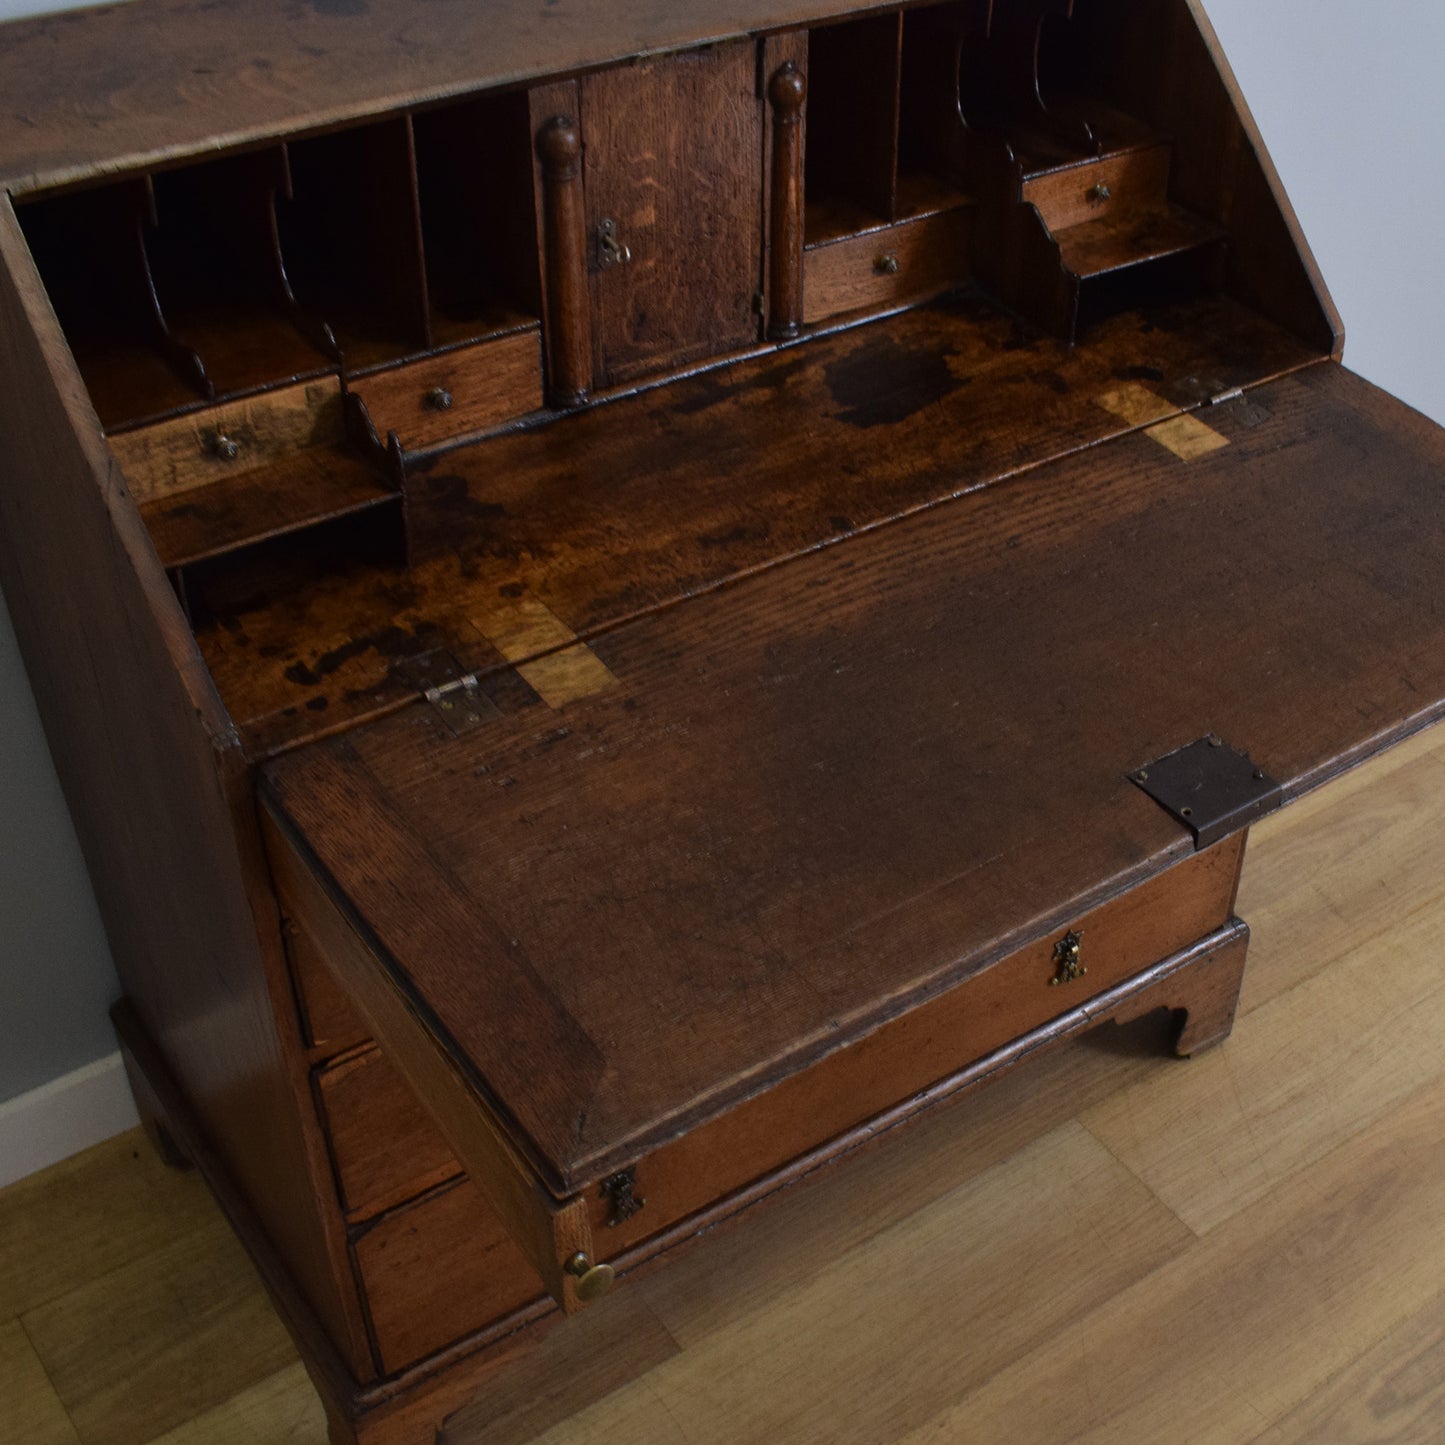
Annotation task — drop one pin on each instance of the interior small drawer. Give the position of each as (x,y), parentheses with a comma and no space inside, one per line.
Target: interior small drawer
(888,266)
(458,392)
(218,443)
(384,1148)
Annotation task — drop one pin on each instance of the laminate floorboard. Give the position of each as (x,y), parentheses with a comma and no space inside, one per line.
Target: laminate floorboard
(1108,1246)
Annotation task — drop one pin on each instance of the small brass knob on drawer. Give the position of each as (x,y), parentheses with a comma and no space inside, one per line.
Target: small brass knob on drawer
(593,1280)
(1099,193)
(438,399)
(224,448)
(887,264)
(1068,956)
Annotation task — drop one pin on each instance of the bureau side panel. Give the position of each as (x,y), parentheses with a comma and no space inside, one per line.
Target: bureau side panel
(158,789)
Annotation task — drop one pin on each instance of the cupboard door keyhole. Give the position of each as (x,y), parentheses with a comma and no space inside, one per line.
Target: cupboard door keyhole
(610,249)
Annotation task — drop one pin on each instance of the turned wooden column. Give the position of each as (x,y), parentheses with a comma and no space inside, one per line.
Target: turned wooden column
(569,340)
(787,92)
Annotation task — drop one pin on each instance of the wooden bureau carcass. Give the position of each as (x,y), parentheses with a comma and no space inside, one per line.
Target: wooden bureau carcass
(626,602)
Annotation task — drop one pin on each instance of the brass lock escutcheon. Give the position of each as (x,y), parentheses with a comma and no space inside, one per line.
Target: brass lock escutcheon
(593,1280)
(1068,957)
(610,249)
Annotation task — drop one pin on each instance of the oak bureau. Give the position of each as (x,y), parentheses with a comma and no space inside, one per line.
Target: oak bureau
(628,598)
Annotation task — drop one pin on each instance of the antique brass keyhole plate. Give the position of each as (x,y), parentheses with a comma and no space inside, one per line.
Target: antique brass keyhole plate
(1069,958)
(610,249)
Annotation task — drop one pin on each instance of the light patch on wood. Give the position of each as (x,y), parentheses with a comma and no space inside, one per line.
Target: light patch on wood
(180,455)
(562,677)
(1184,435)
(529,627)
(1187,437)
(521,629)
(1137,405)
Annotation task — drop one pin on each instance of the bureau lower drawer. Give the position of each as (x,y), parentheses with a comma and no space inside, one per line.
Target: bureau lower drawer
(887,267)
(1018,995)
(437,1270)
(383,1146)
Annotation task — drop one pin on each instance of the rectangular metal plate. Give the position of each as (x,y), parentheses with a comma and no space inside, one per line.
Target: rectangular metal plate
(1210,787)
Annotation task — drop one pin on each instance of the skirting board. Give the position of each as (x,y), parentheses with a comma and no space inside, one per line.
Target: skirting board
(63,1117)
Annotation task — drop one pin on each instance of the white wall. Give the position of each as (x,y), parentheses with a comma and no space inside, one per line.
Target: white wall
(1347,94)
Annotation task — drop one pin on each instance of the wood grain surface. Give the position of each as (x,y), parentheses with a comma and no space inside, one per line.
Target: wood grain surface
(738,890)
(1312,1314)
(636,505)
(173,77)
(673,158)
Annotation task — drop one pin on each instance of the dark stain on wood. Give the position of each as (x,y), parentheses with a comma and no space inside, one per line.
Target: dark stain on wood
(889,383)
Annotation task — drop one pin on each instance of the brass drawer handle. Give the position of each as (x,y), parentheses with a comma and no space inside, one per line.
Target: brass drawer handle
(1099,194)
(593,1280)
(438,399)
(1068,957)
(887,264)
(224,448)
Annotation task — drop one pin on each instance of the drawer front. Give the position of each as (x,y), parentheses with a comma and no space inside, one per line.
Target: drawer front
(1124,184)
(383,1146)
(328,1022)
(1117,940)
(458,392)
(1016,996)
(887,267)
(227,441)
(442,1268)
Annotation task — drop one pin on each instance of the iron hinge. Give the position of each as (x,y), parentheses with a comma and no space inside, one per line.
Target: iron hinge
(461,705)
(1210,787)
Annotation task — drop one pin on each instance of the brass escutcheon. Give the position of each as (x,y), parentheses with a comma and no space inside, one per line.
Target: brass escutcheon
(1067,956)
(611,251)
(593,1280)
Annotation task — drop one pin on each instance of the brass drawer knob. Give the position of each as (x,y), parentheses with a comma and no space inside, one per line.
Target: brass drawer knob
(1068,956)
(887,264)
(1099,194)
(438,399)
(224,448)
(593,1280)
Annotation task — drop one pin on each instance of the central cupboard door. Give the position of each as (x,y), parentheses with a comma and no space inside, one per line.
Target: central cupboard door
(674,191)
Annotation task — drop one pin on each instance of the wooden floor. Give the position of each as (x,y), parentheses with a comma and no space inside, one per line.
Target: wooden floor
(1109,1246)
